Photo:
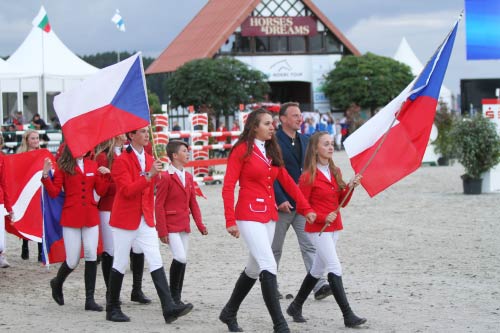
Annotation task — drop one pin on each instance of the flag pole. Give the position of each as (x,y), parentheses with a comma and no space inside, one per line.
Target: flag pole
(390,126)
(42,78)
(363,169)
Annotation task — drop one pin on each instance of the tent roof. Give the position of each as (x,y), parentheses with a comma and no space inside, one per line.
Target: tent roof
(213,25)
(406,55)
(58,60)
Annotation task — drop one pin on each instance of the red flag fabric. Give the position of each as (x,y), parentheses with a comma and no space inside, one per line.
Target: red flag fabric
(24,172)
(391,145)
(197,190)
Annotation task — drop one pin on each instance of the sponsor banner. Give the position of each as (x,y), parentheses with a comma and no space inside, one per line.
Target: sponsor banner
(279,26)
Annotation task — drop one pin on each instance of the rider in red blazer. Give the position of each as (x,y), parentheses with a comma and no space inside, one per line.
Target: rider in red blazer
(106,153)
(175,199)
(78,177)
(256,162)
(132,219)
(324,188)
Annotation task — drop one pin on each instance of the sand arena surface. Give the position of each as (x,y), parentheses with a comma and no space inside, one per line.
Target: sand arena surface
(419,257)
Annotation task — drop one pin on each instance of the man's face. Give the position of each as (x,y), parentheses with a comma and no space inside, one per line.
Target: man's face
(292,119)
(140,137)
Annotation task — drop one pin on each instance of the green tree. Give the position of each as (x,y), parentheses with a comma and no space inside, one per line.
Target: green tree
(217,85)
(370,81)
(154,102)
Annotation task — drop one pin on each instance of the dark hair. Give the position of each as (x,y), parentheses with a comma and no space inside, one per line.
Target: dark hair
(285,107)
(247,136)
(128,136)
(66,161)
(173,147)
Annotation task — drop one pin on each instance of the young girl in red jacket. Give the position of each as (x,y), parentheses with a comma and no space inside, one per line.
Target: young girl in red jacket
(322,185)
(78,177)
(175,199)
(255,162)
(106,153)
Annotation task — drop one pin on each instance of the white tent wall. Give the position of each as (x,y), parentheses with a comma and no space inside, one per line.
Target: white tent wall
(41,55)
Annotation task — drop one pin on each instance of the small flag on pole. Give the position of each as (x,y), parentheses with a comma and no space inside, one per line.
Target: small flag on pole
(118,20)
(42,20)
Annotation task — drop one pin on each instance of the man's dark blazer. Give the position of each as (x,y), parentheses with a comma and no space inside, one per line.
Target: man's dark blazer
(293,166)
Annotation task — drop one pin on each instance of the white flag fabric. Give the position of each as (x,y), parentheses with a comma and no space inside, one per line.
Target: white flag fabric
(118,20)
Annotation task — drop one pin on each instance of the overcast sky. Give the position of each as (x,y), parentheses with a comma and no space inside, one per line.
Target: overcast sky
(375,26)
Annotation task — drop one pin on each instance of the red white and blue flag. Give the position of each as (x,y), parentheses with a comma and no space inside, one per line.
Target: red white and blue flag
(391,144)
(112,102)
(24,189)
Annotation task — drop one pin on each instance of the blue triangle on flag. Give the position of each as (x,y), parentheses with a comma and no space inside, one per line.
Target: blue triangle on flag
(131,96)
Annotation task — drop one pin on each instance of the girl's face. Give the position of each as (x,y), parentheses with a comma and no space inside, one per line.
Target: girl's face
(120,140)
(33,141)
(325,147)
(265,130)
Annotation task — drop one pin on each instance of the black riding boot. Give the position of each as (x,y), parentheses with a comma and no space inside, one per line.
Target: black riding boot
(269,287)
(137,267)
(57,283)
(90,274)
(171,311)
(106,264)
(240,291)
(295,308)
(113,308)
(350,319)
(177,270)
(25,251)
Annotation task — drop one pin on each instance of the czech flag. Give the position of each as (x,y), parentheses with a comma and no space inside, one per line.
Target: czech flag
(391,144)
(112,102)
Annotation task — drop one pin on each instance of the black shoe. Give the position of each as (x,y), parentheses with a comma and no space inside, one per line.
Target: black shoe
(90,276)
(269,288)
(323,292)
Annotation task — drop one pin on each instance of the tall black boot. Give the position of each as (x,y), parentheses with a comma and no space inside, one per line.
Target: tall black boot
(106,264)
(350,319)
(240,291)
(177,270)
(90,275)
(113,308)
(57,283)
(269,287)
(295,308)
(25,251)
(137,267)
(171,311)
(39,252)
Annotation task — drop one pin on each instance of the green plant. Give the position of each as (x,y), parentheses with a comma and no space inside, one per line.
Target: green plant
(444,121)
(477,145)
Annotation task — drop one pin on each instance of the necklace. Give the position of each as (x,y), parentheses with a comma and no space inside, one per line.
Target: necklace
(293,141)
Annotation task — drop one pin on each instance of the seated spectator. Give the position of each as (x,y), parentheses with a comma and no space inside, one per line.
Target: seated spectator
(38,123)
(18,120)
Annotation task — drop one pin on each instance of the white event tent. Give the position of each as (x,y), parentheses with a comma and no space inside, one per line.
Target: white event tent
(406,55)
(42,65)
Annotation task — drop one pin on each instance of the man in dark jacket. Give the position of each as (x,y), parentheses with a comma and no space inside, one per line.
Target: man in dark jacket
(293,146)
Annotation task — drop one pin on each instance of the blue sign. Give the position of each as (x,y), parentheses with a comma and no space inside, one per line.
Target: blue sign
(482,27)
